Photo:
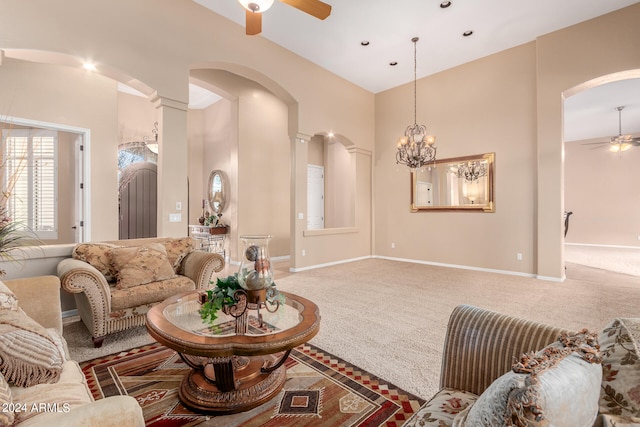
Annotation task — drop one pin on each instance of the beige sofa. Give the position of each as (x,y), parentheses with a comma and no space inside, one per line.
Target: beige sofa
(116,282)
(61,396)
(493,374)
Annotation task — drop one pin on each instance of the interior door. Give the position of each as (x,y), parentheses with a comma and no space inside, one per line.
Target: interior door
(315,197)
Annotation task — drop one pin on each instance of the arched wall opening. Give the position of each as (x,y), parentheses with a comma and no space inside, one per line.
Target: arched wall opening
(597,181)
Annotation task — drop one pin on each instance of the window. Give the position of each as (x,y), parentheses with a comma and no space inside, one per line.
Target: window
(30,179)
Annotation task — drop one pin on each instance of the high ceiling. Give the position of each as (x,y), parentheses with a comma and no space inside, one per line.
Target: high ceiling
(388,26)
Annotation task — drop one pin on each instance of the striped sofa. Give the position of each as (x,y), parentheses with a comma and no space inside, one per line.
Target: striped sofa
(493,360)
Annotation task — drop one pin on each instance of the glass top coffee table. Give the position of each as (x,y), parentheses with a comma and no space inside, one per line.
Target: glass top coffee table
(238,361)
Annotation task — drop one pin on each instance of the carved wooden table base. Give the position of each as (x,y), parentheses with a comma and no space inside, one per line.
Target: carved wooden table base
(226,385)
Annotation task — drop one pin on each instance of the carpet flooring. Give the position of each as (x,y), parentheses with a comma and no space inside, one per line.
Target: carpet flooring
(390,317)
(320,390)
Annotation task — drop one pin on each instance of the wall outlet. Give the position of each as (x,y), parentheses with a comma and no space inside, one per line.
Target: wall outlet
(178,206)
(519,256)
(300,215)
(304,252)
(393,246)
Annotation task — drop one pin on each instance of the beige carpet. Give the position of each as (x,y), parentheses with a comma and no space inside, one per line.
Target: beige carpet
(390,317)
(618,259)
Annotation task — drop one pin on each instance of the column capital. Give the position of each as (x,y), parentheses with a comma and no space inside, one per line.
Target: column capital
(162,101)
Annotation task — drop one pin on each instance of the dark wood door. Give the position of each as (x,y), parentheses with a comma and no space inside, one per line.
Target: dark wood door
(138,201)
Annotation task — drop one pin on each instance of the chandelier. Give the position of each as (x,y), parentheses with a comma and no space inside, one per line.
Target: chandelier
(472,171)
(416,148)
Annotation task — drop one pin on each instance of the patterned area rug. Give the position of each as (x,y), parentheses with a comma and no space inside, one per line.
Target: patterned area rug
(320,390)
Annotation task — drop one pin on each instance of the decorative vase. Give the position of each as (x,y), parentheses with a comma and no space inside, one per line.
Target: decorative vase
(255,267)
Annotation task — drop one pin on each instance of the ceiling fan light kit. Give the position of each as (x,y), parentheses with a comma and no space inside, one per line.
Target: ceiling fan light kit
(256,5)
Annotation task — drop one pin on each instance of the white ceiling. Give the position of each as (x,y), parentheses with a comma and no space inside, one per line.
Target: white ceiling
(388,26)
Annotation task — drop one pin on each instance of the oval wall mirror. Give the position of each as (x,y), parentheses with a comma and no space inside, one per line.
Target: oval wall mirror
(216,191)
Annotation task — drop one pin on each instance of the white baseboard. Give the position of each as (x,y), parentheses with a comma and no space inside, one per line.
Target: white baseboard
(328,264)
(595,245)
(464,267)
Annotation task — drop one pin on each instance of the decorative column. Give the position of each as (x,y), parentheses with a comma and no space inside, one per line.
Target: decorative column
(172,167)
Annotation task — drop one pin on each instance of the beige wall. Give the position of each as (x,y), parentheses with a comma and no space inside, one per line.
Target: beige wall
(484,106)
(74,98)
(600,190)
(157,60)
(509,103)
(566,59)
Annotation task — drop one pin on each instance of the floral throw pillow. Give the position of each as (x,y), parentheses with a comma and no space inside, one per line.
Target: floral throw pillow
(442,409)
(177,249)
(139,265)
(620,389)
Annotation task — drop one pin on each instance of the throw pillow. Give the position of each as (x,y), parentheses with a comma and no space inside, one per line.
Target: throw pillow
(139,265)
(620,390)
(28,356)
(177,249)
(558,386)
(96,255)
(6,403)
(8,300)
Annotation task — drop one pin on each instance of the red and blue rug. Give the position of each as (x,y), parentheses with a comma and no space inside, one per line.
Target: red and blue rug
(320,390)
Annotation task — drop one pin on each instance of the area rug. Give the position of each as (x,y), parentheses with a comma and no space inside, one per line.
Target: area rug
(320,390)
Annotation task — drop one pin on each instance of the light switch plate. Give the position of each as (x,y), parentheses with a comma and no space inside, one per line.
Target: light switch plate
(175,217)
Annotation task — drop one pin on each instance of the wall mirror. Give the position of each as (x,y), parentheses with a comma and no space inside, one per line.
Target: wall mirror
(461,184)
(216,191)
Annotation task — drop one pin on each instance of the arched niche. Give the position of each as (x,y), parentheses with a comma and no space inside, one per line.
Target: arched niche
(330,182)
(247,136)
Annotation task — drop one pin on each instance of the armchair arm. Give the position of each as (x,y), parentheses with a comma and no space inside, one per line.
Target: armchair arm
(78,276)
(39,297)
(201,266)
(114,411)
(482,345)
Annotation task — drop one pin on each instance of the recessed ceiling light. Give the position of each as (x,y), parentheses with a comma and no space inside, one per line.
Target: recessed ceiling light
(467,33)
(364,43)
(393,63)
(88,66)
(445,4)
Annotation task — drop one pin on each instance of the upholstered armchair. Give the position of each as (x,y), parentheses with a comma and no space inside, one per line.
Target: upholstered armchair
(116,282)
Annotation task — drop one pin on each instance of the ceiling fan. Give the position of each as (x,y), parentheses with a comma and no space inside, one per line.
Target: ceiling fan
(255,8)
(619,142)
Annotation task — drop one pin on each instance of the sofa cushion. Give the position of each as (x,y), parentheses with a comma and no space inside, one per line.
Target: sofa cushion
(28,355)
(8,300)
(620,391)
(6,403)
(177,249)
(139,265)
(442,409)
(122,299)
(97,255)
(557,386)
(69,392)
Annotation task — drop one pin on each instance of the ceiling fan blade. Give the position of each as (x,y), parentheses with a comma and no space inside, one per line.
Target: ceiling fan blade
(253,22)
(313,7)
(594,143)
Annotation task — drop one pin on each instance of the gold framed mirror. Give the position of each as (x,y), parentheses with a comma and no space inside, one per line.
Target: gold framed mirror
(455,184)
(216,191)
